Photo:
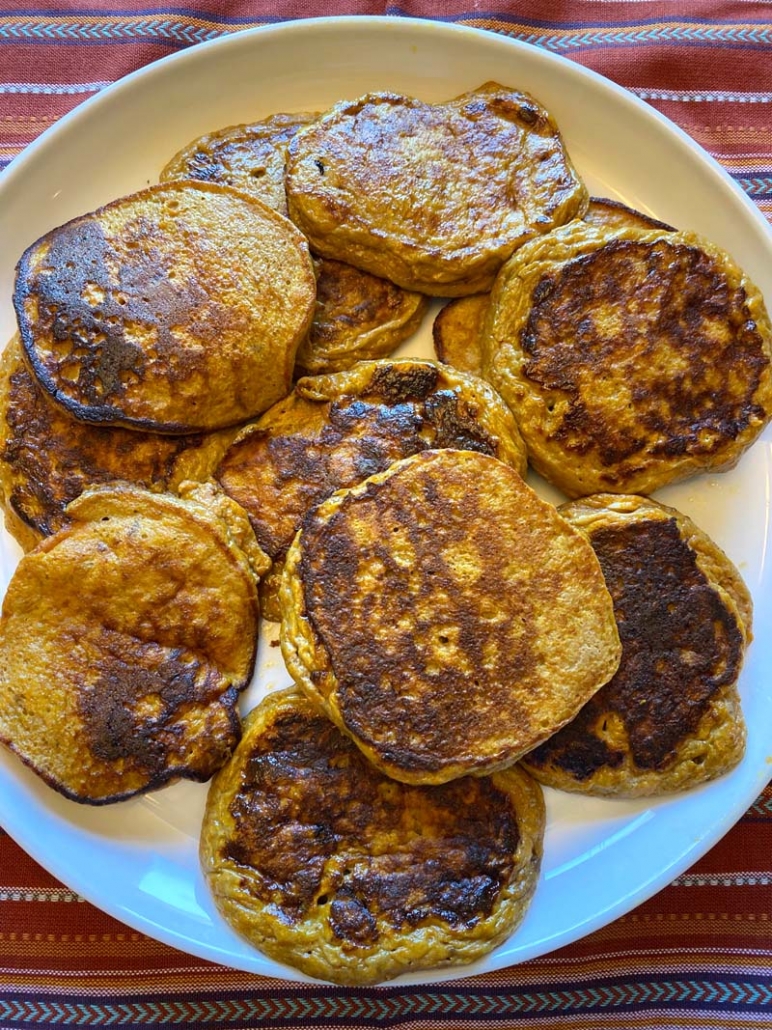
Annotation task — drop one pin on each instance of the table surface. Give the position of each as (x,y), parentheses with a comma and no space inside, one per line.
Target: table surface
(699,953)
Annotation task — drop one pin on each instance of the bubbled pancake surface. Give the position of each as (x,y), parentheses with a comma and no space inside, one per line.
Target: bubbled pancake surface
(445,617)
(125,640)
(325,864)
(48,457)
(631,357)
(176,309)
(670,717)
(249,158)
(334,431)
(455,188)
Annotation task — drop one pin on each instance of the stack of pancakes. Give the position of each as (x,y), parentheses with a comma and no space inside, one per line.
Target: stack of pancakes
(202,425)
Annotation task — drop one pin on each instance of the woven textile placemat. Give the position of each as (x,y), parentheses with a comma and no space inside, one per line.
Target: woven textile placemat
(699,953)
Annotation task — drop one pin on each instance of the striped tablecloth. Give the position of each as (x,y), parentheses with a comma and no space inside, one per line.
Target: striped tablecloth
(699,954)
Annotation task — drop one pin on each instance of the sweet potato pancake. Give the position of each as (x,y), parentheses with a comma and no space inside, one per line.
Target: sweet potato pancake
(125,641)
(358,317)
(334,431)
(325,864)
(250,158)
(458,327)
(670,717)
(434,197)
(177,309)
(631,357)
(48,457)
(445,617)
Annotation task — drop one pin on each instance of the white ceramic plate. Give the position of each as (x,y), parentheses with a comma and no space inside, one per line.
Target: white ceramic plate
(138,860)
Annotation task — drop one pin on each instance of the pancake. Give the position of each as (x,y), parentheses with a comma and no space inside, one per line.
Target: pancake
(125,640)
(457,332)
(445,617)
(458,327)
(671,716)
(631,358)
(334,431)
(48,458)
(358,317)
(177,309)
(323,863)
(249,158)
(434,197)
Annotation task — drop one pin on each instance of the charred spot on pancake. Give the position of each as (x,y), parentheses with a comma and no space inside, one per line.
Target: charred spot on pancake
(130,713)
(680,648)
(307,796)
(629,302)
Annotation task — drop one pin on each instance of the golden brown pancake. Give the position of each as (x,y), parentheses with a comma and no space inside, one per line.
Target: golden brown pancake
(177,309)
(325,864)
(47,457)
(249,158)
(358,317)
(670,717)
(458,327)
(434,197)
(125,641)
(334,431)
(631,358)
(445,617)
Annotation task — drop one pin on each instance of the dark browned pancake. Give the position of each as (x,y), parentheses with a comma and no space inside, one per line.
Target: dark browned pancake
(631,357)
(358,317)
(445,617)
(177,309)
(249,158)
(325,864)
(434,197)
(334,431)
(458,327)
(670,717)
(125,641)
(47,457)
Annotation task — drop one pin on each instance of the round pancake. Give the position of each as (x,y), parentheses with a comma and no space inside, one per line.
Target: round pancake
(631,358)
(176,309)
(125,641)
(458,327)
(323,863)
(445,617)
(671,716)
(334,431)
(249,158)
(48,458)
(434,197)
(358,316)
